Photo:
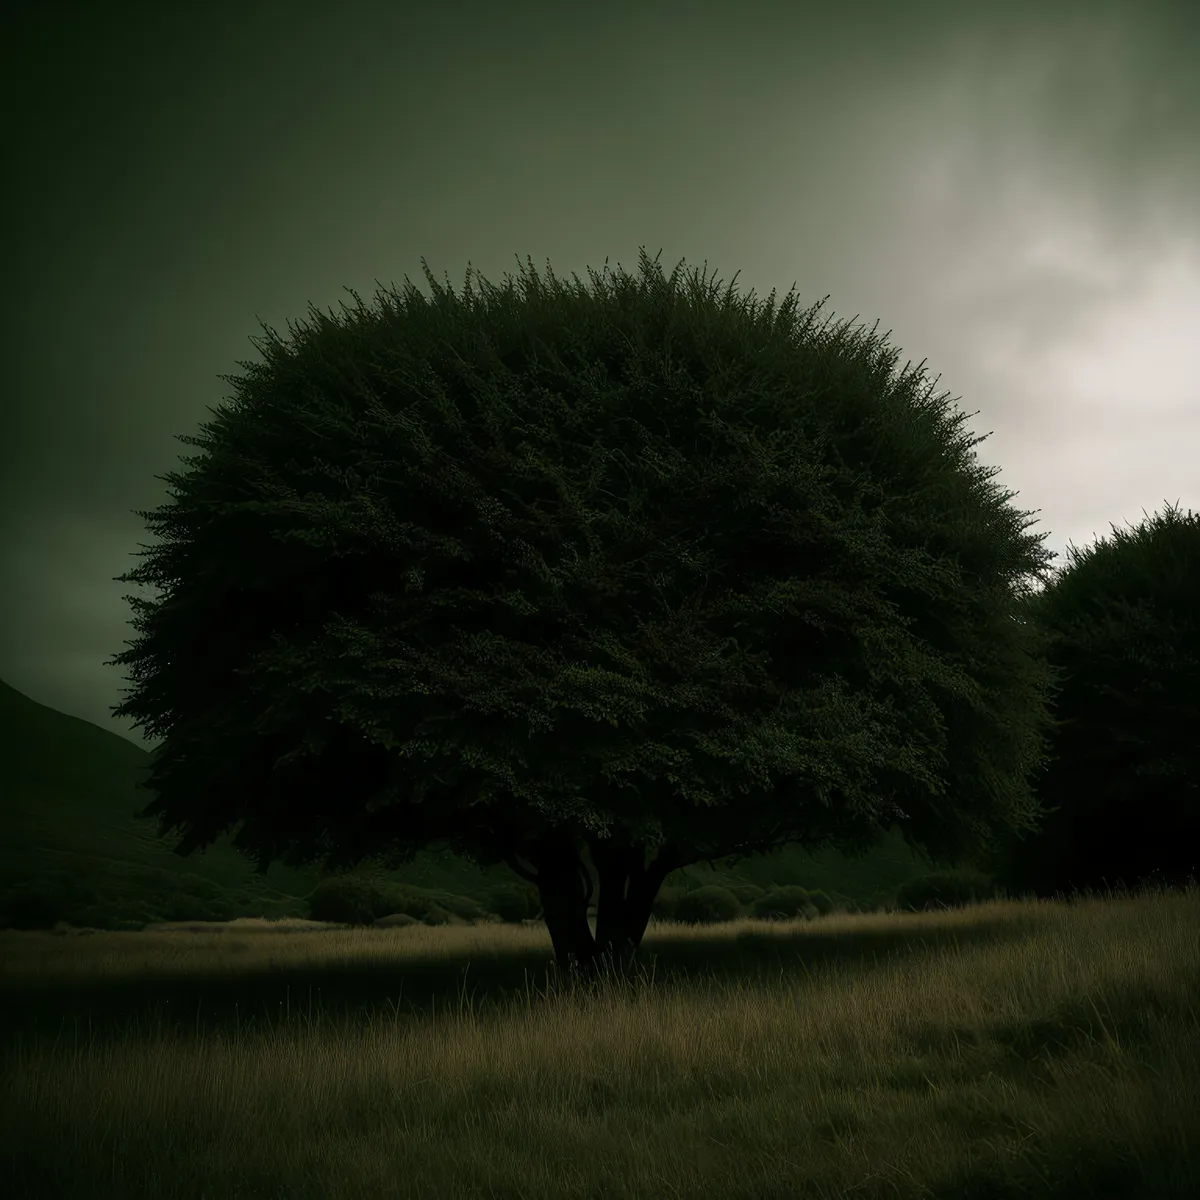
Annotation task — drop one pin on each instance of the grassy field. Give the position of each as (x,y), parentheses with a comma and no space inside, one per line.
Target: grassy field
(1007,1049)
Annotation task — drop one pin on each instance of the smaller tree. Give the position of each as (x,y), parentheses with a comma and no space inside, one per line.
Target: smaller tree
(1122,786)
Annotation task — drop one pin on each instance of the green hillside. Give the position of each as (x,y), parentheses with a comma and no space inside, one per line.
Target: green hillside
(74,850)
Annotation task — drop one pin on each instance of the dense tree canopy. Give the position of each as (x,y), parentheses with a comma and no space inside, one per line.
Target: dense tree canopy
(1122,788)
(645,568)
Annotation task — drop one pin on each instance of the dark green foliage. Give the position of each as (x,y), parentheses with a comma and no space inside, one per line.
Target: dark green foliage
(346,900)
(520,571)
(435,914)
(101,893)
(123,914)
(746,893)
(513,902)
(396,921)
(944,889)
(821,902)
(39,903)
(421,901)
(787,873)
(33,906)
(1122,627)
(663,906)
(707,906)
(360,899)
(783,904)
(194,898)
(182,907)
(55,897)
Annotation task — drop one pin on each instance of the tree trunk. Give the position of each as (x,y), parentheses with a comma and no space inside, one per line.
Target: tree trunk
(627,890)
(564,887)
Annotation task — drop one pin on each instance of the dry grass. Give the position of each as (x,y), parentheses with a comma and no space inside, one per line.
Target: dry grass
(1058,1057)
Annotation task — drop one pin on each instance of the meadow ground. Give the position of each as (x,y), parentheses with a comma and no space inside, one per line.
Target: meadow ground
(1008,1049)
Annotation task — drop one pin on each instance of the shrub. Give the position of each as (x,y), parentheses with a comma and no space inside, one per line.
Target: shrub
(218,909)
(395,898)
(821,902)
(35,906)
(192,884)
(787,872)
(188,906)
(707,906)
(346,900)
(663,906)
(418,902)
(354,899)
(514,902)
(944,889)
(747,893)
(784,904)
(396,921)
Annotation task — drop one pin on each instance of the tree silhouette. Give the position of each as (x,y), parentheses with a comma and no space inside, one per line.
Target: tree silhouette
(1122,788)
(647,569)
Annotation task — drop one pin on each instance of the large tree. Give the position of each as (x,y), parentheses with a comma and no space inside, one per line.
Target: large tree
(1122,786)
(647,569)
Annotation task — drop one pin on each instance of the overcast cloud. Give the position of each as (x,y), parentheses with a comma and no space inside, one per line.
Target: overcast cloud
(1011,189)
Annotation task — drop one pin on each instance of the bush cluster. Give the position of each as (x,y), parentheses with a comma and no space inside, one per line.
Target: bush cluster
(514,902)
(128,901)
(944,889)
(145,896)
(707,906)
(789,902)
(360,899)
(711,904)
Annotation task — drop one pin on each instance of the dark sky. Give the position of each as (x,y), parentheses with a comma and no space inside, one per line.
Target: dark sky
(1011,189)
